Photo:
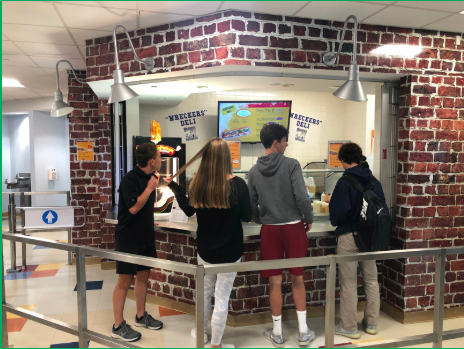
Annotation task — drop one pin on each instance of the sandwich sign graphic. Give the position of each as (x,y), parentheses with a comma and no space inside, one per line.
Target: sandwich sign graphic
(304,129)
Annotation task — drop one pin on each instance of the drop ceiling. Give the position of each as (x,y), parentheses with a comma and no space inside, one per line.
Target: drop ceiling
(36,34)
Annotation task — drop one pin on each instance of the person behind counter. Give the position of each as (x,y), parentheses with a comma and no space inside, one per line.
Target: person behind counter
(280,202)
(135,234)
(220,201)
(344,209)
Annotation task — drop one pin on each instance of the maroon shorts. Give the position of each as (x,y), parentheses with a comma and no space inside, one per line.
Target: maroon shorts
(277,241)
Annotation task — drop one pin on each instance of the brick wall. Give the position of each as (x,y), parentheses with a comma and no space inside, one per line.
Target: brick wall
(250,293)
(90,180)
(430,181)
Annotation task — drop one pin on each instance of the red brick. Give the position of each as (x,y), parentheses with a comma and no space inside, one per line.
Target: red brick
(193,45)
(253,26)
(239,52)
(236,62)
(449,91)
(222,53)
(222,40)
(223,26)
(210,29)
(253,53)
(238,25)
(194,57)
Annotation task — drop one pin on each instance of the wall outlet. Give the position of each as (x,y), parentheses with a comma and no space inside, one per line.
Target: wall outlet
(52,174)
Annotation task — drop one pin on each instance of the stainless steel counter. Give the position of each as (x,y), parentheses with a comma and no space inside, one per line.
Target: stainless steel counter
(251,231)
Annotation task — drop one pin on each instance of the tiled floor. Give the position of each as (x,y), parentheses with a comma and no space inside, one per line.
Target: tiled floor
(48,287)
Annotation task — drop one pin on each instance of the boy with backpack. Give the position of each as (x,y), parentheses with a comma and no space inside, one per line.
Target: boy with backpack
(358,210)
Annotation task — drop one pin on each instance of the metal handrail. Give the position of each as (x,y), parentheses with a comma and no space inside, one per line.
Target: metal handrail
(32,193)
(436,337)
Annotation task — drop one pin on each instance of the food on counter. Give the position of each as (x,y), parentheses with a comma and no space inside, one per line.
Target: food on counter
(240,132)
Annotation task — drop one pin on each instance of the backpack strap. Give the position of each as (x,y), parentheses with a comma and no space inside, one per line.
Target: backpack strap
(353,182)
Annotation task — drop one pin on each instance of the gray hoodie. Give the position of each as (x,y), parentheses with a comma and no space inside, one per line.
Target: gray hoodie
(278,192)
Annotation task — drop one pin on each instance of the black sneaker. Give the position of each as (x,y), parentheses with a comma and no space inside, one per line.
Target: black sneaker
(147,321)
(125,333)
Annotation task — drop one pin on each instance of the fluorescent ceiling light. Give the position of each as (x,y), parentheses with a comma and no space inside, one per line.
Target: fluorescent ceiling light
(462,12)
(398,50)
(247,94)
(11,83)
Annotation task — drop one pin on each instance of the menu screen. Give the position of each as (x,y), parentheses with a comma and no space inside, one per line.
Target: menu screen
(244,120)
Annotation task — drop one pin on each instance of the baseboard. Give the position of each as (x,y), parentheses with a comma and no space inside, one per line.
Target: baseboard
(5,214)
(418,316)
(89,260)
(108,265)
(240,320)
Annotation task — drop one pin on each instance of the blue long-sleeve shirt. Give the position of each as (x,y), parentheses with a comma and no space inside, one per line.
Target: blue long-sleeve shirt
(346,202)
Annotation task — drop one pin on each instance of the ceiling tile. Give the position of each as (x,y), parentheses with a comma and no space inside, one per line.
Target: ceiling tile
(451,6)
(8,48)
(30,12)
(4,38)
(396,16)
(44,82)
(30,33)
(274,7)
(17,60)
(181,7)
(97,17)
(63,51)
(150,19)
(80,35)
(130,5)
(378,2)
(6,98)
(45,92)
(83,50)
(50,62)
(338,10)
(453,23)
(18,72)
(19,92)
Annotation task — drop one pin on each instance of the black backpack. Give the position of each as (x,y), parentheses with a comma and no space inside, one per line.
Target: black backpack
(374,230)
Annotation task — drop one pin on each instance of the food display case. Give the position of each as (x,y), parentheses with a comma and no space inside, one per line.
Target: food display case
(320,183)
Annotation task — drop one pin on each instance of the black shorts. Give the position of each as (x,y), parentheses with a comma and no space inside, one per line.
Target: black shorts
(146,250)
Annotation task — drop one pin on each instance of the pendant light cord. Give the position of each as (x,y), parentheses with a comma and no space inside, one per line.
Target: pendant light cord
(342,39)
(58,76)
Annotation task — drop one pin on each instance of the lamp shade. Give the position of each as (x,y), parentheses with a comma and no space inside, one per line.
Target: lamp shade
(60,108)
(352,90)
(120,91)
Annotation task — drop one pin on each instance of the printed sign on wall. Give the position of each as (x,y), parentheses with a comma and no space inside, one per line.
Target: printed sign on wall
(235,147)
(84,151)
(190,126)
(304,129)
(334,148)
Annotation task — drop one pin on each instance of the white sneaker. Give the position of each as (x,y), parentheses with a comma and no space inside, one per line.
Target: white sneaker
(193,334)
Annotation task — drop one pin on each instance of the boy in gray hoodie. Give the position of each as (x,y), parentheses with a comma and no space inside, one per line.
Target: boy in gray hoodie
(281,204)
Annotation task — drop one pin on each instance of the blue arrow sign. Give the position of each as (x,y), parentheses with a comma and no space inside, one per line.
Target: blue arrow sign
(50,217)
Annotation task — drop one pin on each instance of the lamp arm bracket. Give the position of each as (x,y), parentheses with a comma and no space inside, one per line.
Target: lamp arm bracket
(149,62)
(329,57)
(58,76)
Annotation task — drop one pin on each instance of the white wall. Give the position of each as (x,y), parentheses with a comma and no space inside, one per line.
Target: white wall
(6,167)
(49,149)
(19,144)
(319,105)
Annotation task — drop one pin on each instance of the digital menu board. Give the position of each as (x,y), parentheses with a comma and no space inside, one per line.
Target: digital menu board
(244,120)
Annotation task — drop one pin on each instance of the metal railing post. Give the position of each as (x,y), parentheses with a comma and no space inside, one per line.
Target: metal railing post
(4,320)
(200,305)
(12,226)
(22,203)
(68,203)
(81,298)
(439,299)
(330,303)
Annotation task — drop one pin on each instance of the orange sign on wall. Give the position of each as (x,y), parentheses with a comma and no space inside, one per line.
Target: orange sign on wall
(84,151)
(235,147)
(332,158)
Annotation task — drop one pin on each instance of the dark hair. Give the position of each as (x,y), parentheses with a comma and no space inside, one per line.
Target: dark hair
(351,152)
(272,132)
(144,153)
